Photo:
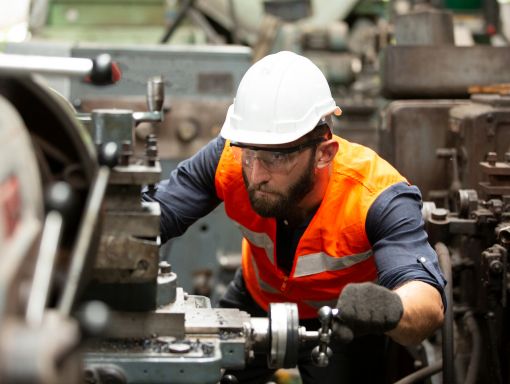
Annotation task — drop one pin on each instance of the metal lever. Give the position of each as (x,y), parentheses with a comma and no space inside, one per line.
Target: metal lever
(117,125)
(155,93)
(451,155)
(60,204)
(322,352)
(108,156)
(155,99)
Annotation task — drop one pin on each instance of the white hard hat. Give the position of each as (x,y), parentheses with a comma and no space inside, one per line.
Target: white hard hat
(280,98)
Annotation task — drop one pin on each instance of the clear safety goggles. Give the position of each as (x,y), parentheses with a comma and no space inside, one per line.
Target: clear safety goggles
(277,160)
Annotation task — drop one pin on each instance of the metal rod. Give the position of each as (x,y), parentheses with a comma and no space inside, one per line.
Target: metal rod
(140,117)
(85,237)
(67,66)
(202,22)
(178,19)
(44,268)
(305,335)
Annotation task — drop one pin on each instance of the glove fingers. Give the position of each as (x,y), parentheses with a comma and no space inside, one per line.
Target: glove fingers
(369,308)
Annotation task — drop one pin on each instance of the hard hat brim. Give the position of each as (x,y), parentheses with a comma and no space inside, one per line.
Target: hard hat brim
(268,137)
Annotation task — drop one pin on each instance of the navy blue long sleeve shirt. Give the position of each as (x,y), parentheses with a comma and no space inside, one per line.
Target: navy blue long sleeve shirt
(394,225)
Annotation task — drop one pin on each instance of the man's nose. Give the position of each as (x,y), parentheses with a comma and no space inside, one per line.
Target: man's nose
(259,173)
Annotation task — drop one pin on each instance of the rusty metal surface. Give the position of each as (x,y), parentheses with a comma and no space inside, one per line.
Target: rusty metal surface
(481,128)
(410,134)
(123,198)
(137,174)
(441,71)
(126,259)
(494,190)
(138,223)
(498,174)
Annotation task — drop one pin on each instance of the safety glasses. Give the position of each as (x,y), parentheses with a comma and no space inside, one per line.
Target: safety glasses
(277,160)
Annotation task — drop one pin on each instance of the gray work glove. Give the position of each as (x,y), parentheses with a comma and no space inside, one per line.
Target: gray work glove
(366,308)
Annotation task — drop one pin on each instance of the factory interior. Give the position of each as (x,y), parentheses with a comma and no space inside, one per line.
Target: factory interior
(101,99)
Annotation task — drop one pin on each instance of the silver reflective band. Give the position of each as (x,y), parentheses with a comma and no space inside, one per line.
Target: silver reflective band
(262,284)
(322,262)
(259,239)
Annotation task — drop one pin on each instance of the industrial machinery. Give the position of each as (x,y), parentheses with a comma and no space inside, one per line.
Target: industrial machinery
(455,149)
(200,84)
(98,243)
(471,236)
(44,238)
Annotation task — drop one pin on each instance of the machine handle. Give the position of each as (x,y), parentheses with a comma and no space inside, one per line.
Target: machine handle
(108,156)
(101,70)
(60,204)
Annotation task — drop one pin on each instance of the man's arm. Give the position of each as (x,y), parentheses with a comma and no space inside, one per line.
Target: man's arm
(189,193)
(408,314)
(406,262)
(423,312)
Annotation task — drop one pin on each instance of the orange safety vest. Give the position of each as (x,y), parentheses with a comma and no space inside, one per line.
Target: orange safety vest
(334,249)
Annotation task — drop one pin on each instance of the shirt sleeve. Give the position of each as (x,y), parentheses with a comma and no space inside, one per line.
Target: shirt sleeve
(189,193)
(395,228)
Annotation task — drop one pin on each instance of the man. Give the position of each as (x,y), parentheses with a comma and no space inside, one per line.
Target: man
(317,213)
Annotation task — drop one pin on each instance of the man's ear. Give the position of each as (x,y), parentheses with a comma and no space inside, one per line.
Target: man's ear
(325,153)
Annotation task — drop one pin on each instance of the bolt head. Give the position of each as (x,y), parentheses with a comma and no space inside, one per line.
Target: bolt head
(496,266)
(165,267)
(439,214)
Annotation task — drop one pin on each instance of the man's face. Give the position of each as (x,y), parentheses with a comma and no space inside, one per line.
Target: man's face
(276,194)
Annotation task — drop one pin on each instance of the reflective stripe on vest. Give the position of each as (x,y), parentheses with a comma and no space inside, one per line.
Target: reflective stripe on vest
(334,249)
(322,262)
(262,284)
(261,240)
(307,264)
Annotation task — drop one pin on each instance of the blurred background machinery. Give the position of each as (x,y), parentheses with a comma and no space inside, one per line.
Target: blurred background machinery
(41,235)
(375,54)
(200,83)
(425,83)
(85,297)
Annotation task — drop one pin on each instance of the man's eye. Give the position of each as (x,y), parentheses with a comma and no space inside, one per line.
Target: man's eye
(277,156)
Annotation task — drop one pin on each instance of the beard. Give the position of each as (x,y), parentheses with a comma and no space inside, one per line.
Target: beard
(281,204)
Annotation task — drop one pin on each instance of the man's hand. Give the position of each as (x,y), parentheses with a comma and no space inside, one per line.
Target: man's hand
(366,308)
